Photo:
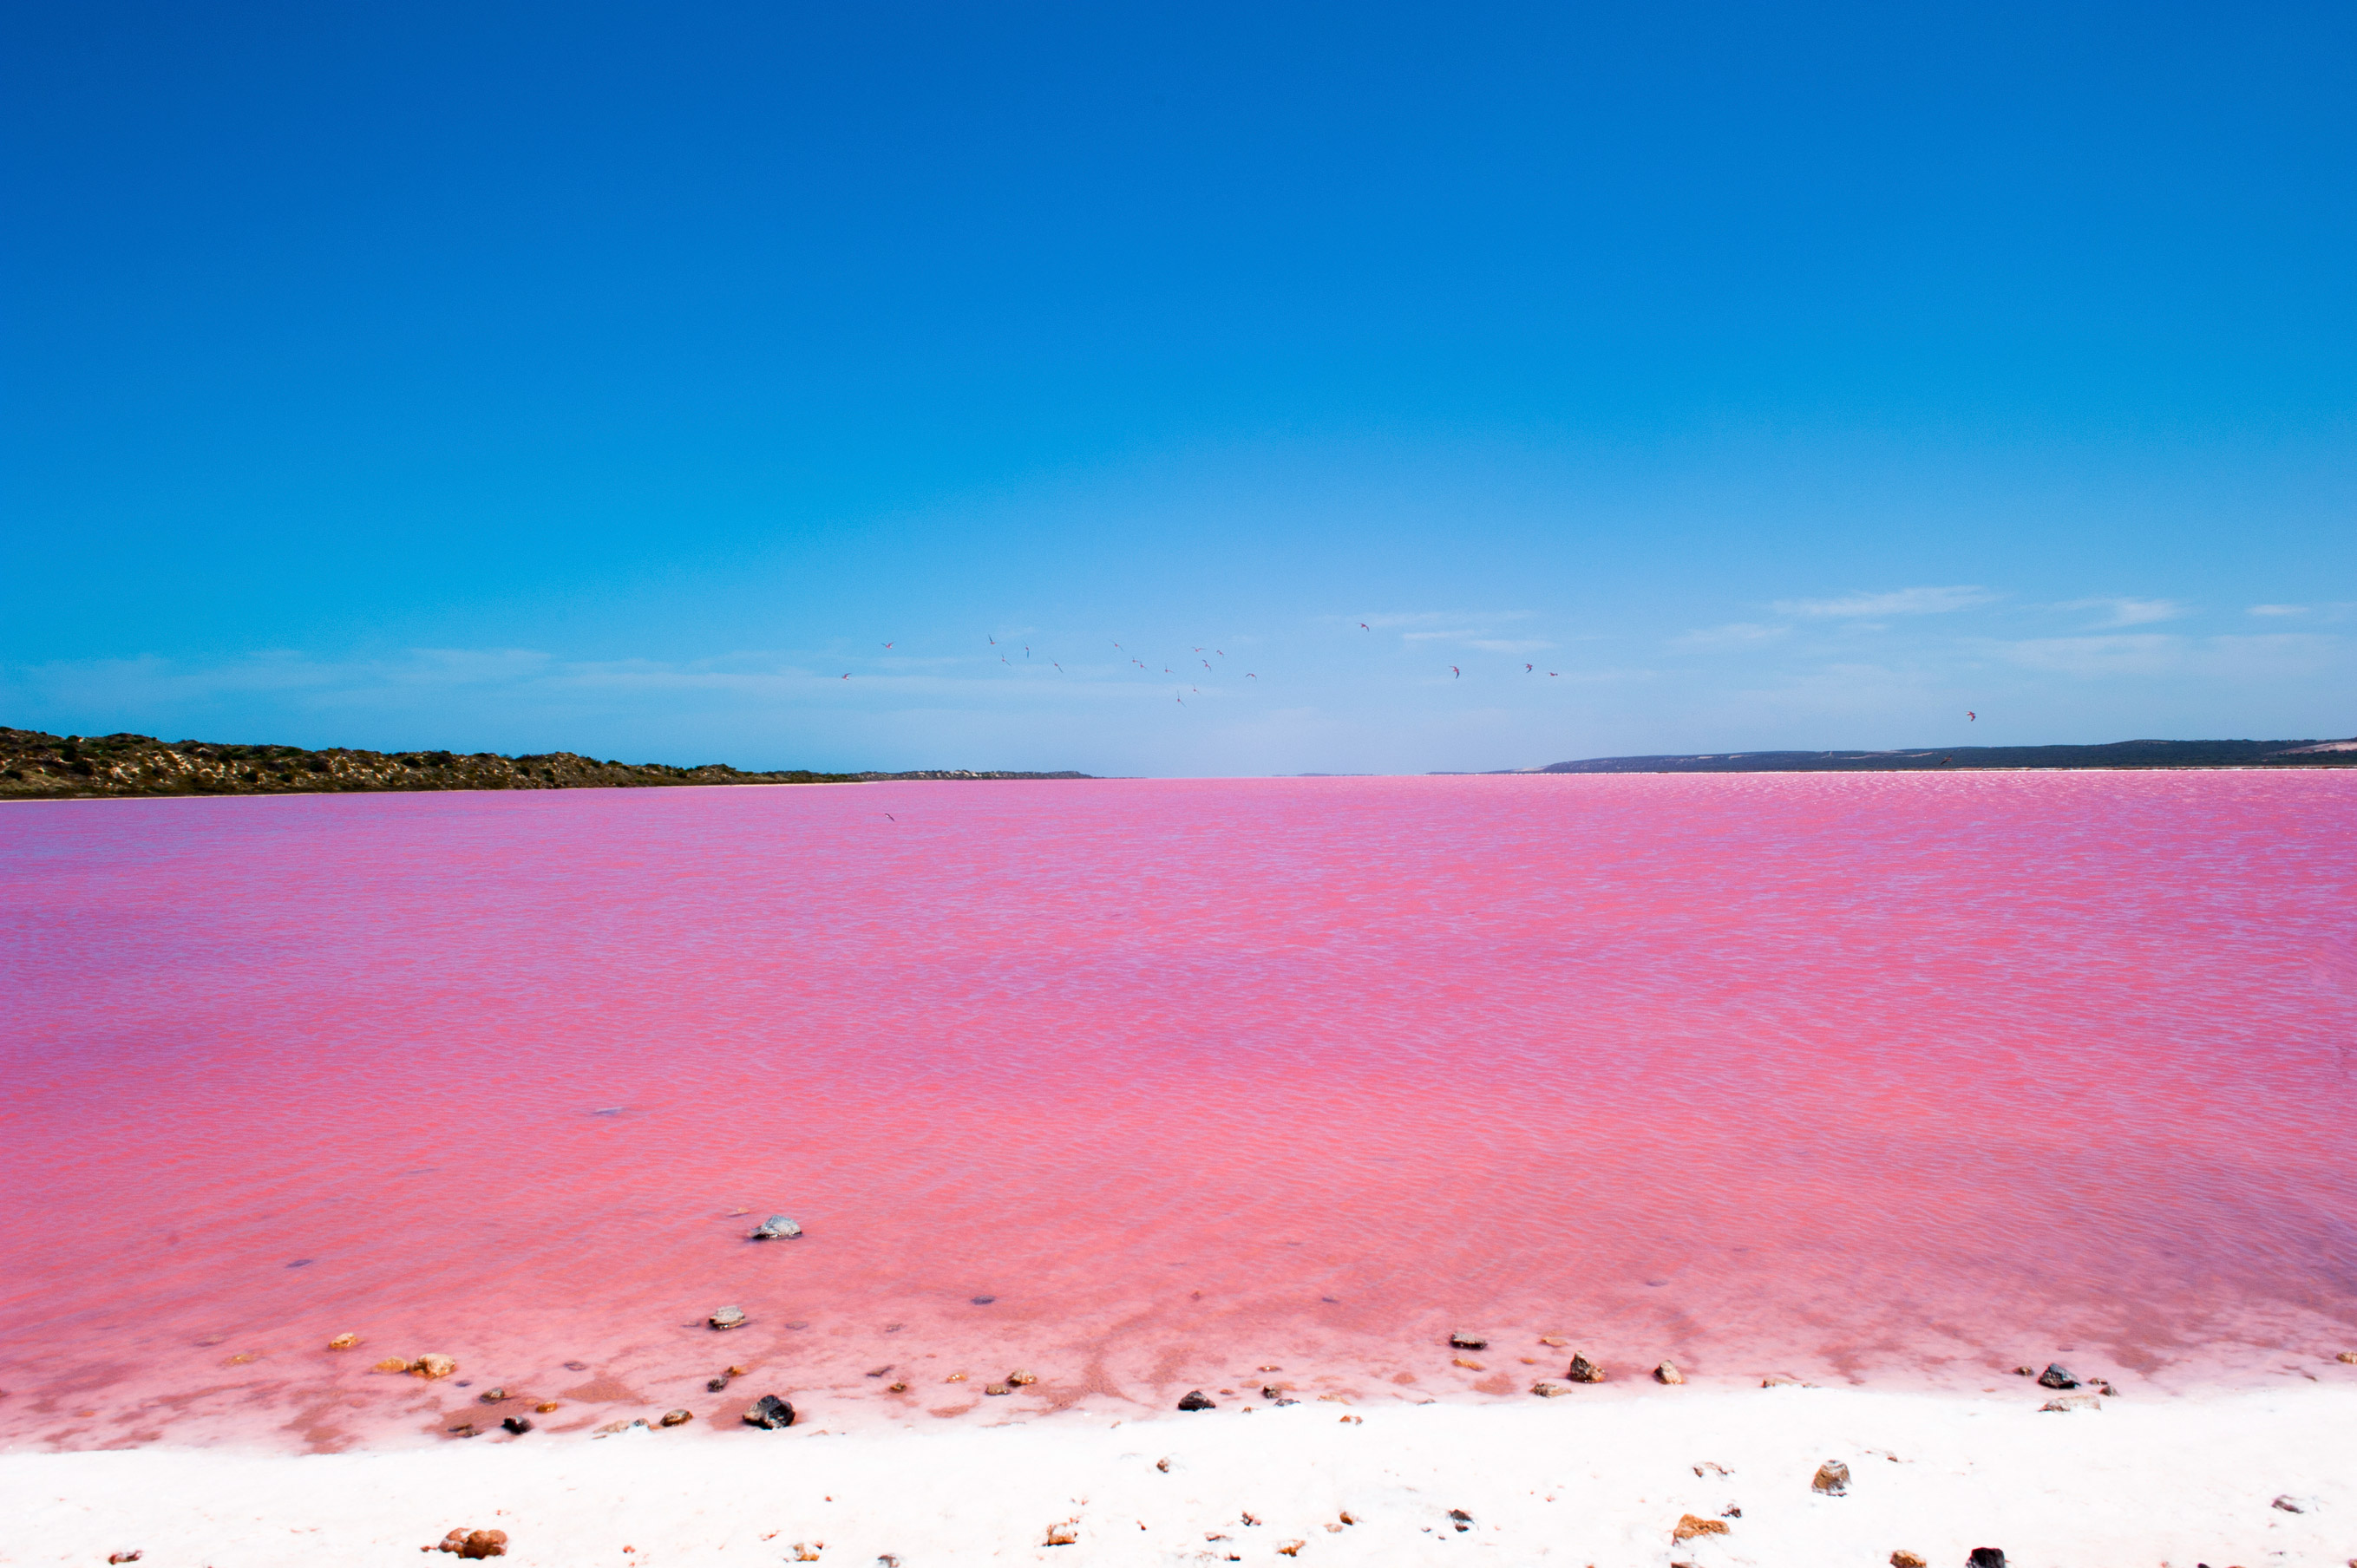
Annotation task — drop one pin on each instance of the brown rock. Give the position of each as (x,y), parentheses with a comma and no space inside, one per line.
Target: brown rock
(1832,1479)
(1667,1373)
(343,1341)
(1021,1379)
(124,1557)
(1690,1525)
(1462,1340)
(2073,1401)
(492,1396)
(996,1388)
(390,1364)
(728,1318)
(896,1388)
(240,1360)
(1290,1548)
(1063,1534)
(432,1367)
(2348,1356)
(1779,1381)
(678,1417)
(1905,1559)
(517,1424)
(1547,1390)
(485,1543)
(547,1407)
(1465,1362)
(1583,1370)
(1552,1339)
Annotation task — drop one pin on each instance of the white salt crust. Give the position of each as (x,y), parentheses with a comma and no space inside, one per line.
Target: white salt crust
(1598,1477)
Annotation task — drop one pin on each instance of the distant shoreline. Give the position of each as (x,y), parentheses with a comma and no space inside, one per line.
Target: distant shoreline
(37,765)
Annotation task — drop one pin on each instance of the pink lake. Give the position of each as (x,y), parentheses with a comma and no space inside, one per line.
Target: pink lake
(1901,1079)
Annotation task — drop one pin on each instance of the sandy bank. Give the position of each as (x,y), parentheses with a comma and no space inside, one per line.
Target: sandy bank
(1576,1480)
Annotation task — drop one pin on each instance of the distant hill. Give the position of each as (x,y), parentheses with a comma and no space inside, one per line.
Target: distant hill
(2117,753)
(37,765)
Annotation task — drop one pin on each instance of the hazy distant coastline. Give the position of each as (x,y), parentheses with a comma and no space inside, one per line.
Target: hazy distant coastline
(2116,754)
(38,766)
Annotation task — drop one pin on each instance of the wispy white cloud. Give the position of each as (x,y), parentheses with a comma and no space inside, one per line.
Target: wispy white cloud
(2128,612)
(1897,602)
(2275,654)
(2279,609)
(1509,645)
(1737,634)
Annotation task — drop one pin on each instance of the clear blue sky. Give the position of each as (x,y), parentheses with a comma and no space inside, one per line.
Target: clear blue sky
(619,377)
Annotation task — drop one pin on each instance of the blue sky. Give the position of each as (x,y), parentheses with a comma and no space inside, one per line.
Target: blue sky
(619,378)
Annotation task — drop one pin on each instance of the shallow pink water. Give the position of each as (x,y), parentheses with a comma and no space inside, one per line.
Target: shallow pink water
(1898,1078)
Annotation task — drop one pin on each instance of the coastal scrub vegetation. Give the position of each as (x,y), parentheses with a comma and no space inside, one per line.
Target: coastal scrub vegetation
(36,765)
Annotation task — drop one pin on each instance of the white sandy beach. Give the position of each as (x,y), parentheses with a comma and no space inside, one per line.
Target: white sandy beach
(1582,1480)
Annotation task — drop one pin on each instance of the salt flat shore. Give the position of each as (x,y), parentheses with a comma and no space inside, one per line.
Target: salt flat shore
(1602,1480)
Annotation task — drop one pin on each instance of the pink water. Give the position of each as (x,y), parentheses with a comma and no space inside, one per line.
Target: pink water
(1899,1078)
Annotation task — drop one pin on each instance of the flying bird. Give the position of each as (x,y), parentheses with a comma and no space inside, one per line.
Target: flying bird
(1250,676)
(846,677)
(1554,671)
(1365,626)
(1972,717)
(887,645)
(1455,674)
(1528,669)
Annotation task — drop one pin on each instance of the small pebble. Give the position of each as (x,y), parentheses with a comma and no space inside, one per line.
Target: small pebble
(1667,1373)
(517,1424)
(492,1396)
(1021,1379)
(343,1341)
(1196,1399)
(1832,1479)
(1904,1559)
(1462,1340)
(677,1417)
(1583,1370)
(728,1318)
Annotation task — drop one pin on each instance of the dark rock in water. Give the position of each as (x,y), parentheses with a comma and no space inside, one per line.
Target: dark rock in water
(1832,1479)
(771,1412)
(1984,1557)
(2056,1377)
(1583,1370)
(777,1228)
(1462,1340)
(490,1396)
(984,1300)
(728,1318)
(517,1424)
(1196,1400)
(717,1384)
(576,1366)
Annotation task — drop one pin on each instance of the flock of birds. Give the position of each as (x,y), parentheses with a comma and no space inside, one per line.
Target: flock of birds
(1454,672)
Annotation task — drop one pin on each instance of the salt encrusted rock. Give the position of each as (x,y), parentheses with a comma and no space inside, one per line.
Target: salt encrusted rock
(1021,1379)
(728,1318)
(1002,1388)
(1196,1399)
(1468,1362)
(1462,1340)
(492,1396)
(1583,1370)
(1984,1557)
(2056,1377)
(1779,1381)
(1547,1389)
(1832,1479)
(343,1341)
(2073,1401)
(771,1412)
(1667,1373)
(1063,1534)
(392,1364)
(678,1417)
(1689,1526)
(517,1424)
(2348,1356)
(465,1542)
(776,1227)
(1905,1559)
(2025,1371)
(432,1367)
